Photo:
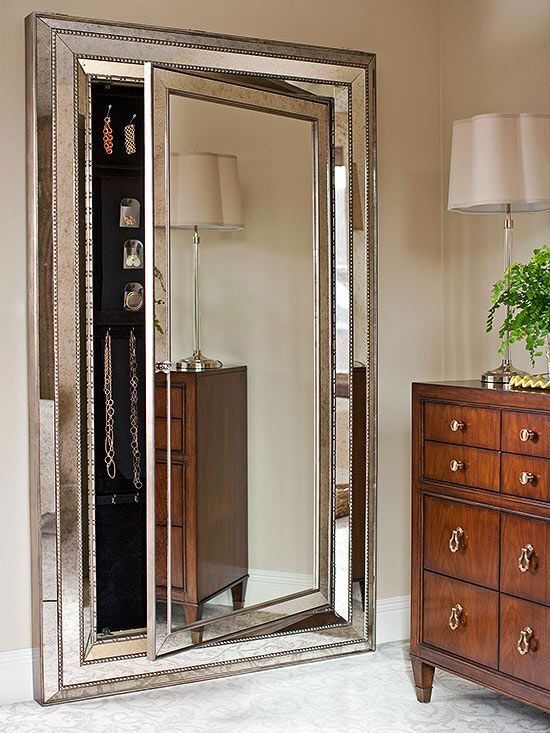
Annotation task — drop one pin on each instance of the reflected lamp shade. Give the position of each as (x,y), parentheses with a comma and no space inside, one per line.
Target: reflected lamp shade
(205,192)
(500,160)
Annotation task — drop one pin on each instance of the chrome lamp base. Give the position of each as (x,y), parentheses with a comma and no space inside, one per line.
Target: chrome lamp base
(197,362)
(502,374)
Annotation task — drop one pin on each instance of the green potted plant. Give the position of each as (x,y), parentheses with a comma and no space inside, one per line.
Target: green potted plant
(525,293)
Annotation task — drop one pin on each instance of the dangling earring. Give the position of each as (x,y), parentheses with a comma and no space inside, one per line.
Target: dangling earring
(108,132)
(130,137)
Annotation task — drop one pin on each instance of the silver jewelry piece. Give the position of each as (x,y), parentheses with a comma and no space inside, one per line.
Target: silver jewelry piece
(109,407)
(134,418)
(130,137)
(133,297)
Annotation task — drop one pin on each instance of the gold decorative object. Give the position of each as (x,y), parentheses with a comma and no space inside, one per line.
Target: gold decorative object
(540,381)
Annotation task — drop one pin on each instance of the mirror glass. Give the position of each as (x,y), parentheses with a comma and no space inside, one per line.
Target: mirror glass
(241,318)
(256,312)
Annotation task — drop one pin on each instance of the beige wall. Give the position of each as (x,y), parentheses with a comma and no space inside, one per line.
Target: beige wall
(495,57)
(406,36)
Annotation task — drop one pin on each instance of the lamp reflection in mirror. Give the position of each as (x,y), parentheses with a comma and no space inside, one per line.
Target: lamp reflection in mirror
(500,163)
(205,194)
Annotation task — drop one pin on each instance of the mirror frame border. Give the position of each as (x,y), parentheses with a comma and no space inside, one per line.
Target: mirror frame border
(55,50)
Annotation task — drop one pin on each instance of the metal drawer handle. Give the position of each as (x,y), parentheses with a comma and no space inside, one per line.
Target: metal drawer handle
(525,434)
(525,560)
(457,425)
(455,619)
(524,641)
(455,465)
(526,477)
(456,539)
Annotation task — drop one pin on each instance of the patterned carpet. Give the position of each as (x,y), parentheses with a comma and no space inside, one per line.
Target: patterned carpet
(366,692)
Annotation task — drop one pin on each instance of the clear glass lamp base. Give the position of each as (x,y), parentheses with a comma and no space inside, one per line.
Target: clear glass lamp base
(197,362)
(502,374)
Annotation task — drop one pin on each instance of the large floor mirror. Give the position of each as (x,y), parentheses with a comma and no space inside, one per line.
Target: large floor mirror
(202,259)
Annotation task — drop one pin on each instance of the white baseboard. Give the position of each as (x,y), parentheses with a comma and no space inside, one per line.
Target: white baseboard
(392,624)
(392,619)
(15,676)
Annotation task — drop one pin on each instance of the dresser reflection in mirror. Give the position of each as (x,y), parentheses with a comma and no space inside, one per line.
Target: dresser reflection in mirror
(202,338)
(208,490)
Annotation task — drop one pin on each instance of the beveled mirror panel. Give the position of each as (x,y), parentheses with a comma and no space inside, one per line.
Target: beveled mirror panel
(190,523)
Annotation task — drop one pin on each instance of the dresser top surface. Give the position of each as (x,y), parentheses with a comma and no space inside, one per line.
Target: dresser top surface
(478,384)
(473,390)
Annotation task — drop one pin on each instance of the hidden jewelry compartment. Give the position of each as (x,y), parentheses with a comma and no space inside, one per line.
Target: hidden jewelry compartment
(118,328)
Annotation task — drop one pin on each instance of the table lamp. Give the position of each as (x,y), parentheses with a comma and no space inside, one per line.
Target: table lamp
(500,163)
(204,194)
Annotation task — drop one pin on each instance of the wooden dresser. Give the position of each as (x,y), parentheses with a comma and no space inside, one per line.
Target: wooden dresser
(481,538)
(209,551)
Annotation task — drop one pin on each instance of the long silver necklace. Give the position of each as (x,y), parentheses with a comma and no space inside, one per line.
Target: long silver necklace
(134,420)
(109,406)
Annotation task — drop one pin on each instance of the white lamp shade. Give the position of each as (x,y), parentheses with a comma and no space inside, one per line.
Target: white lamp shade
(499,160)
(205,191)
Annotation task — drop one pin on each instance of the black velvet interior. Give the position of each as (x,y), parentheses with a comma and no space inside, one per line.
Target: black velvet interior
(120,566)
(120,521)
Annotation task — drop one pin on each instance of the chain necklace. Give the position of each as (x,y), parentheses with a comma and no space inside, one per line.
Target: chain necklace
(136,455)
(109,407)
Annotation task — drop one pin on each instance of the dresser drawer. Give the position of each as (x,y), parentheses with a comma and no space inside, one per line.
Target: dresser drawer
(177,491)
(177,416)
(472,612)
(462,541)
(457,464)
(177,400)
(176,552)
(525,627)
(177,435)
(526,433)
(526,476)
(461,425)
(524,558)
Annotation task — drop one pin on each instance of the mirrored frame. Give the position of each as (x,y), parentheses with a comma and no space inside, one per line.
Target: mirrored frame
(63,56)
(161,85)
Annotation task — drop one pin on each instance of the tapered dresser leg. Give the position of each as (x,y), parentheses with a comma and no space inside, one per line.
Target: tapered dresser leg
(238,593)
(194,613)
(423,679)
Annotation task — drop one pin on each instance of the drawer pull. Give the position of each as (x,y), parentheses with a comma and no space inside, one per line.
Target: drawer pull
(455,465)
(456,539)
(524,641)
(526,477)
(525,560)
(525,434)
(455,619)
(457,425)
